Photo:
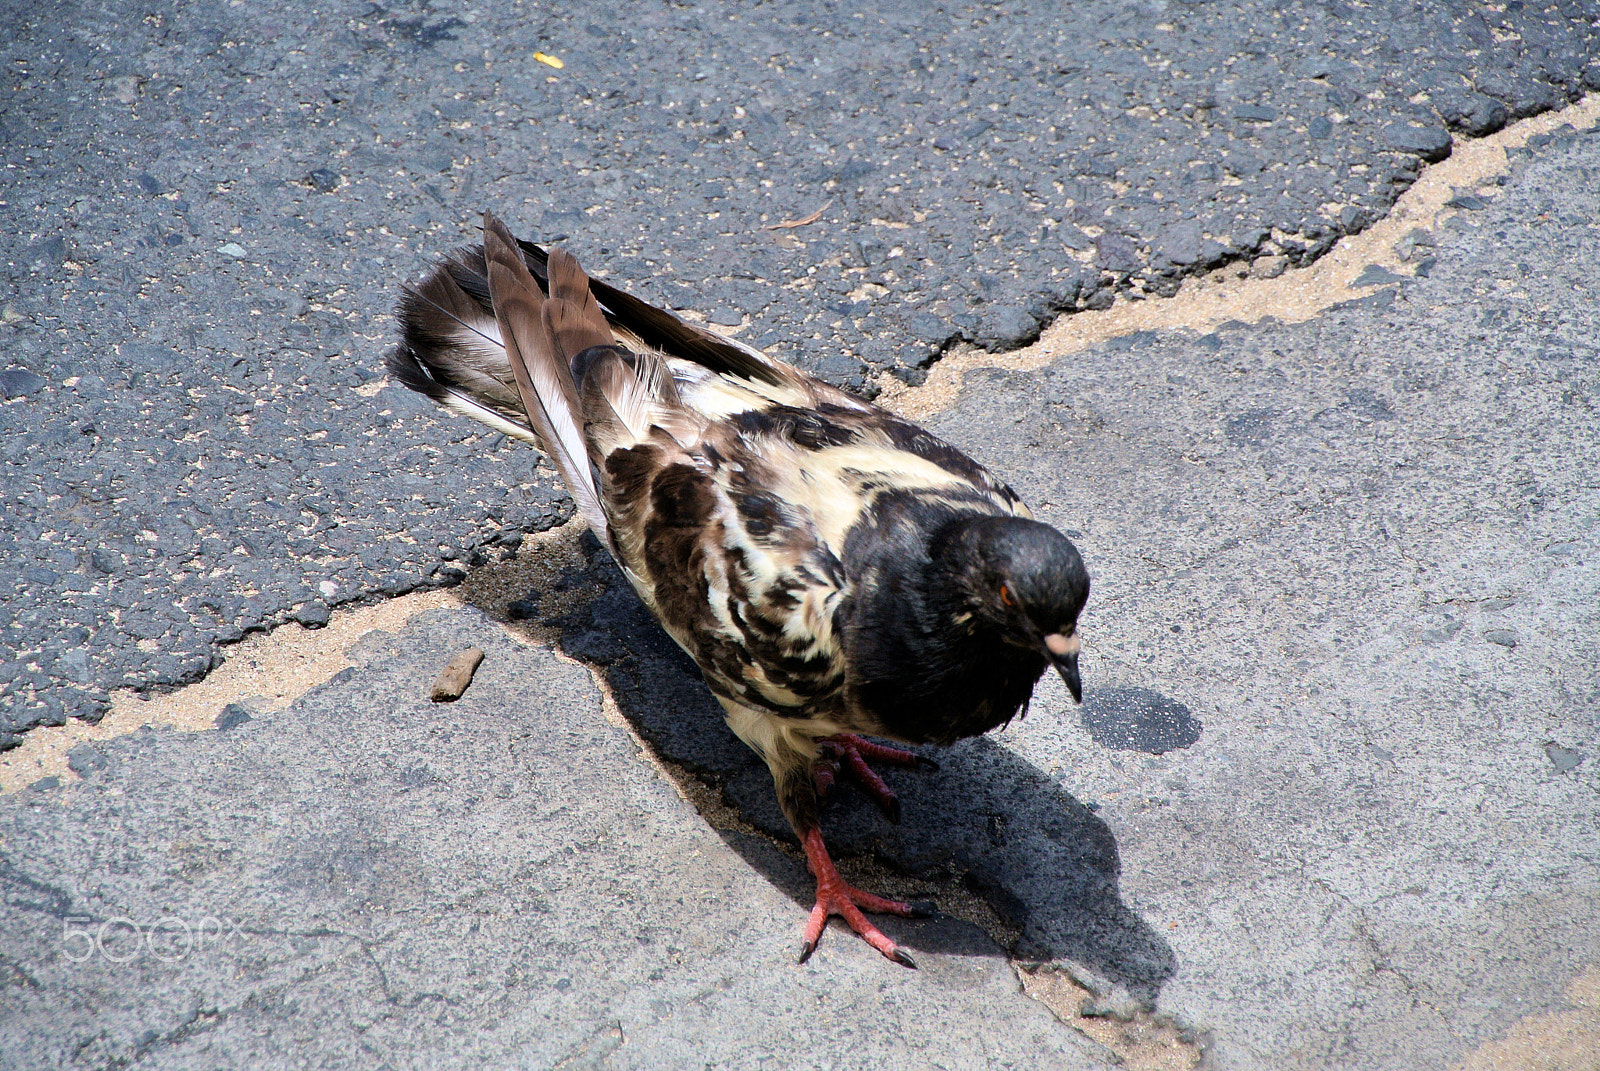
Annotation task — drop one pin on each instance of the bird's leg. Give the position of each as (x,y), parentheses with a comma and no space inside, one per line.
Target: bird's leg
(852,752)
(800,775)
(834,897)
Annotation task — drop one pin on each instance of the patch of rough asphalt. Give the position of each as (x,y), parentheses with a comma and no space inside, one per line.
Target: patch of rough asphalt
(211,206)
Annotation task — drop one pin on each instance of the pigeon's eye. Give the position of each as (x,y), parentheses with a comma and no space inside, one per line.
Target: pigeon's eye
(1005,596)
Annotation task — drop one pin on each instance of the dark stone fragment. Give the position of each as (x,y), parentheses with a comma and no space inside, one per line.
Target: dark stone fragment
(38,574)
(1522,96)
(1375,275)
(1353,220)
(312,615)
(841,371)
(1255,113)
(86,760)
(1320,127)
(233,715)
(926,327)
(16,382)
(323,181)
(73,664)
(1432,143)
(1115,253)
(397,584)
(1181,245)
(150,184)
(1471,113)
(1007,328)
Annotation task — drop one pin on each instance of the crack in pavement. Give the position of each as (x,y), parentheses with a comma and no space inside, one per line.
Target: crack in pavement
(256,668)
(1208,301)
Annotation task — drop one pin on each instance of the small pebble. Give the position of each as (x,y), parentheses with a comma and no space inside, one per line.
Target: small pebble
(455,677)
(233,715)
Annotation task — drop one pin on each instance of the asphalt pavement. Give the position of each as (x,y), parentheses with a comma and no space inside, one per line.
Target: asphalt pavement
(1331,801)
(211,209)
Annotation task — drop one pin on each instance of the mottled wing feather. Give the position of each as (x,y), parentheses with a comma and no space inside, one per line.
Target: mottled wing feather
(735,535)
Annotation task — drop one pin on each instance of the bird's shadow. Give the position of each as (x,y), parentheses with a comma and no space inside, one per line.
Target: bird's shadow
(1045,864)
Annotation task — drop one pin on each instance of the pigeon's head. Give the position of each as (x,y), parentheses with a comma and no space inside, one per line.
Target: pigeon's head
(1025,580)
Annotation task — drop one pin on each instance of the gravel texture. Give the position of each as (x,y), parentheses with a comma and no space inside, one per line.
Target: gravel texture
(211,208)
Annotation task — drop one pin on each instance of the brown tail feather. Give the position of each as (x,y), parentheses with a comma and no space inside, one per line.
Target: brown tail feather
(573,329)
(544,380)
(582,323)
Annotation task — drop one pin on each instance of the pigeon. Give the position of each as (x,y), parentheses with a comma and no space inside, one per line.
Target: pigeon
(835,571)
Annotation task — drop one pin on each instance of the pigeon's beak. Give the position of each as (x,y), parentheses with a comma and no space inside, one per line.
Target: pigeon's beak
(1062,650)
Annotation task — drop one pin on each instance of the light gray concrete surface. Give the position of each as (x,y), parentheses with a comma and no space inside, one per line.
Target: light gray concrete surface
(1365,551)
(367,879)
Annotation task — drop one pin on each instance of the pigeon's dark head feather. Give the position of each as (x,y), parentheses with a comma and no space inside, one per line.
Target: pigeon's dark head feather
(1021,576)
(1021,579)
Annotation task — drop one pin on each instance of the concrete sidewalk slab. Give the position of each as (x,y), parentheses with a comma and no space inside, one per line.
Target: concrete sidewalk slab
(1364,551)
(370,879)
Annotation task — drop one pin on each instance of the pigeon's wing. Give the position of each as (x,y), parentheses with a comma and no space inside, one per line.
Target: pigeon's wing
(738,517)
(750,597)
(452,351)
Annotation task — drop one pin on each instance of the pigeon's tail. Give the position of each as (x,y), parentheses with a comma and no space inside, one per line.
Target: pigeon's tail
(451,349)
(483,337)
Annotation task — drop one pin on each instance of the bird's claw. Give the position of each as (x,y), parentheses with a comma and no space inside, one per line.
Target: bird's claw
(847,751)
(835,897)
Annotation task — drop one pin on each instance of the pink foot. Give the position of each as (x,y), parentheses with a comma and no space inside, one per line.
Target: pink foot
(834,897)
(851,752)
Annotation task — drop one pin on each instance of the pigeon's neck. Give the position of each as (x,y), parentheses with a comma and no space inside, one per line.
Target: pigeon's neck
(923,665)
